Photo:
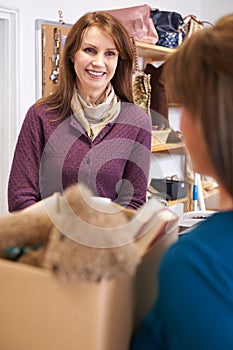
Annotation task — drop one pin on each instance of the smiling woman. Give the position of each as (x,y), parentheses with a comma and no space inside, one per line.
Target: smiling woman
(88,130)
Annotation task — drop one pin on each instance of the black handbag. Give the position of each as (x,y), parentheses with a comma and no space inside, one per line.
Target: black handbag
(168,25)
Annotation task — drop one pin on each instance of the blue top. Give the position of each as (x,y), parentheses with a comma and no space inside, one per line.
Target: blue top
(194,308)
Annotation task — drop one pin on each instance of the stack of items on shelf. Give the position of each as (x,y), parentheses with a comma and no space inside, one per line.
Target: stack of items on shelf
(159,136)
(164,136)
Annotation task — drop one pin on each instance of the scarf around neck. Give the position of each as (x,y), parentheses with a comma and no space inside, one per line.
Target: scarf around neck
(93,116)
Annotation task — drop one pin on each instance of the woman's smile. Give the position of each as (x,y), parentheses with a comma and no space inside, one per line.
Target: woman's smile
(95,74)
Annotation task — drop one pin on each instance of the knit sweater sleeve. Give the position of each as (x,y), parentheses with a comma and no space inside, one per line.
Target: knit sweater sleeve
(23,185)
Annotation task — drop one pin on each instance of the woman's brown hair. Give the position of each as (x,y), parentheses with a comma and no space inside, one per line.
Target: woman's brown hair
(199,76)
(122,79)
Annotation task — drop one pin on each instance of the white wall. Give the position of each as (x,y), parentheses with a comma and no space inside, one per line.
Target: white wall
(213,9)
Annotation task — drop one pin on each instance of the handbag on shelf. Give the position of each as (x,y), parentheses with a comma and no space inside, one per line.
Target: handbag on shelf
(169,26)
(138,22)
(193,24)
(141,85)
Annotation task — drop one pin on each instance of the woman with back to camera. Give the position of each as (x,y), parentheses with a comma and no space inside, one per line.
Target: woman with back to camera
(194,307)
(88,130)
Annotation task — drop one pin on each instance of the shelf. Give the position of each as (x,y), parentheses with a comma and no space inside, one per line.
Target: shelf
(176,201)
(211,198)
(210,193)
(153,52)
(167,147)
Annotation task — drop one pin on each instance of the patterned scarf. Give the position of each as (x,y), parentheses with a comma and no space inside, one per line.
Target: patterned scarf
(93,116)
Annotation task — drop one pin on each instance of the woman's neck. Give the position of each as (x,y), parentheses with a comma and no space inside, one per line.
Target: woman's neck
(93,97)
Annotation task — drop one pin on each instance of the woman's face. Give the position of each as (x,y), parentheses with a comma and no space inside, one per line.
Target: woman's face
(195,143)
(95,63)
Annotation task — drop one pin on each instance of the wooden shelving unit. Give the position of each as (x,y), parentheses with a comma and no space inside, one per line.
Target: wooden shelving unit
(150,53)
(167,147)
(210,193)
(153,52)
(176,201)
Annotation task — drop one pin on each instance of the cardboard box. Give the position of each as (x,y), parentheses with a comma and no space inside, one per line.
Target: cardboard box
(39,312)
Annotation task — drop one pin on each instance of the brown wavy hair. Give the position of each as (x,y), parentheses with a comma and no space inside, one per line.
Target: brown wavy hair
(122,79)
(199,76)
